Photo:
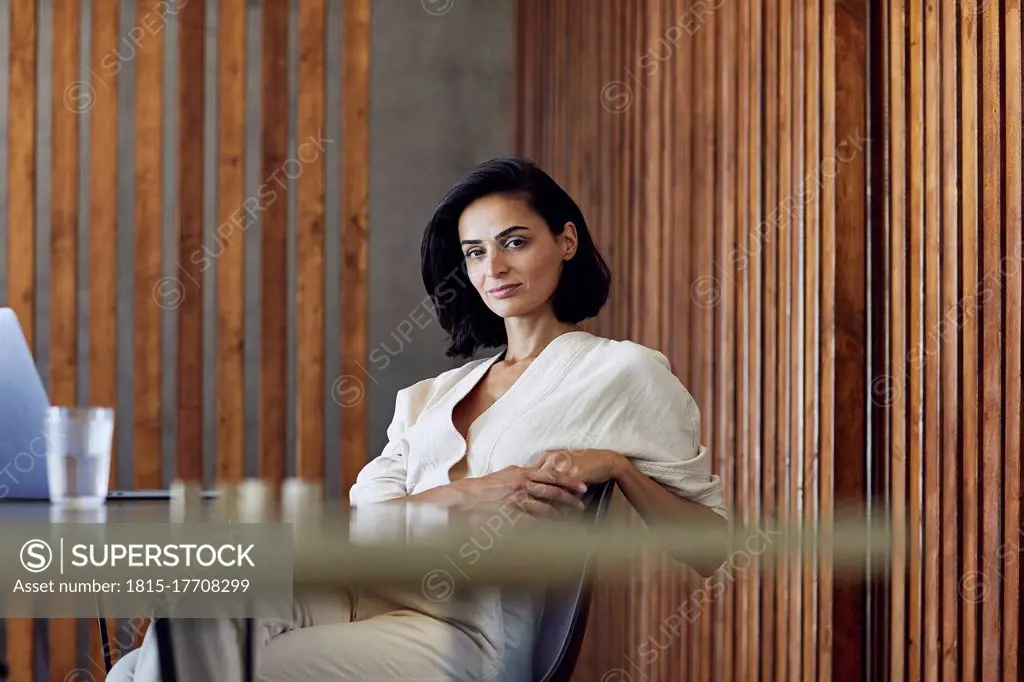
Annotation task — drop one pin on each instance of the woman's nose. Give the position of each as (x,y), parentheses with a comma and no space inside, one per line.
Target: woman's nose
(496,265)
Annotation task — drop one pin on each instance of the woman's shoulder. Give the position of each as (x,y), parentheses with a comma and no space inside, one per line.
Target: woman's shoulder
(629,355)
(638,373)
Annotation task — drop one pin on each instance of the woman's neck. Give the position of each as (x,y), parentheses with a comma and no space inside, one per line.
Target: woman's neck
(527,340)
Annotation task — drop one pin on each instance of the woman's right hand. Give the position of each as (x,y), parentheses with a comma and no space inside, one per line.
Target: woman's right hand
(538,492)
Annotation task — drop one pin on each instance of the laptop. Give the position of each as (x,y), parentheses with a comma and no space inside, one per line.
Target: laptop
(23,407)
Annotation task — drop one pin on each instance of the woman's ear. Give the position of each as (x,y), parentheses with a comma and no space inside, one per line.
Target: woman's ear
(570,241)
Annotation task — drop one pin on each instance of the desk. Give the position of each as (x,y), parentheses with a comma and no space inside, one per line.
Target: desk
(395,544)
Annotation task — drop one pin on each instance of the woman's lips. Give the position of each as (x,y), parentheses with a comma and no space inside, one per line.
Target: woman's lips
(504,291)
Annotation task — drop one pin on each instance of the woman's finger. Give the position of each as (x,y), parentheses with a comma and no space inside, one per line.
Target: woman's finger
(553,493)
(536,507)
(559,478)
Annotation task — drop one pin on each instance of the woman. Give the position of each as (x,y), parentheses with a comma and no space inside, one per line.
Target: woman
(508,261)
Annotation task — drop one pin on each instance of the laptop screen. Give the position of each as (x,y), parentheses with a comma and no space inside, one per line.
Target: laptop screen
(23,406)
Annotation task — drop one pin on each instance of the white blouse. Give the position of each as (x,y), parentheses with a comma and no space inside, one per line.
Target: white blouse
(581,391)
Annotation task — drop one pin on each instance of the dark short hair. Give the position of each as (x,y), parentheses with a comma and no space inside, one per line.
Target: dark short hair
(582,289)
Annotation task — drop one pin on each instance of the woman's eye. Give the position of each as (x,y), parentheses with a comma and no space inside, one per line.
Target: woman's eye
(515,242)
(473,253)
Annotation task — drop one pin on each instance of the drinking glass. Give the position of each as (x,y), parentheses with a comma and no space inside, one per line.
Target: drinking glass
(78,457)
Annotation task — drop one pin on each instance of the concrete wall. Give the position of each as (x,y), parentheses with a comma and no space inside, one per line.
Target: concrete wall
(441,101)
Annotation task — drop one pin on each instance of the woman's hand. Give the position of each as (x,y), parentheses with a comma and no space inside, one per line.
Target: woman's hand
(539,492)
(590,466)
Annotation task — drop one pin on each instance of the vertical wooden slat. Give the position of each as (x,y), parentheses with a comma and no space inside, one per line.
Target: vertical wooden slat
(990,89)
(354,236)
(683,312)
(232,222)
(703,253)
(613,644)
(897,346)
(102,222)
(636,613)
(658,597)
(274,232)
(682,173)
(190,183)
(908,361)
(21,160)
(855,261)
(669,81)
(621,147)
(949,351)
(970,361)
(64,266)
(102,216)
(829,335)
(633,318)
(64,210)
(930,358)
(794,207)
(771,604)
(755,372)
(725,24)
(1013,193)
(740,252)
(814,166)
(559,80)
(522,79)
(149,58)
(607,208)
(652,140)
(310,335)
(784,387)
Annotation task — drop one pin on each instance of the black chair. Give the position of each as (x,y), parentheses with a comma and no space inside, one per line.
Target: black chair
(564,619)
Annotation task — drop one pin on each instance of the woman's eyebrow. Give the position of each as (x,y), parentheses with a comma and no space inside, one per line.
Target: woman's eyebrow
(503,233)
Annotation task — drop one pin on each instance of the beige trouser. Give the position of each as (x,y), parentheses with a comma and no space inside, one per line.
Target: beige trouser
(336,638)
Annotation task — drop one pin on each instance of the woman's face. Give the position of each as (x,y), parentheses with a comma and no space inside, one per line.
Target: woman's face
(513,259)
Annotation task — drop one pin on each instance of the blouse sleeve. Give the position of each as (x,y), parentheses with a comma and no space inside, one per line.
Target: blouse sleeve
(655,422)
(384,477)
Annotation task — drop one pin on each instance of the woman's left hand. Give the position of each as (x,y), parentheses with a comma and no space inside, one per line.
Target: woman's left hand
(590,466)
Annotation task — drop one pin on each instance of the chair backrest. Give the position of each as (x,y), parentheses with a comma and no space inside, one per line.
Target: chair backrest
(564,619)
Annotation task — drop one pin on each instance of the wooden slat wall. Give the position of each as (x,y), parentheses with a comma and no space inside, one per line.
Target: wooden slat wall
(710,169)
(203,257)
(814,208)
(953,76)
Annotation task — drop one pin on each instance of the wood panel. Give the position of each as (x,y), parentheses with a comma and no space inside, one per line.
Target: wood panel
(354,226)
(191,77)
(64,211)
(1012,654)
(741,202)
(310,335)
(863,350)
(147,450)
(969,363)
(232,224)
(953,70)
(121,210)
(102,257)
(845,212)
(21,222)
(273,221)
(949,352)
